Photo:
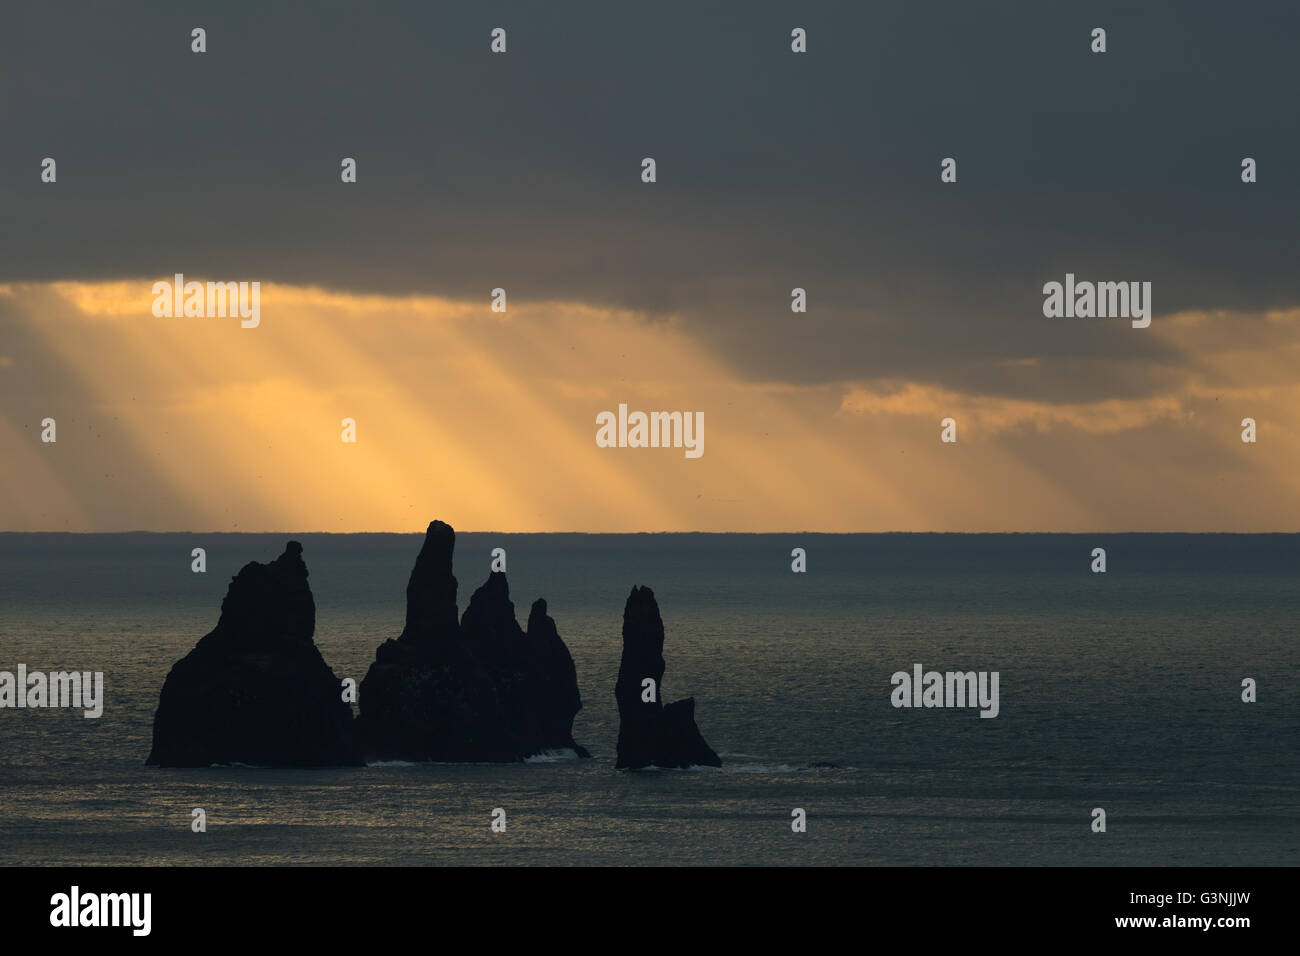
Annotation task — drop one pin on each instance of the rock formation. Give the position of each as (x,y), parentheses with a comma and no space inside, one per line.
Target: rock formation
(478,691)
(650,734)
(256,690)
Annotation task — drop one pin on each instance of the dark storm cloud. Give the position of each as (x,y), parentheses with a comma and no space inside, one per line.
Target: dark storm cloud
(775,170)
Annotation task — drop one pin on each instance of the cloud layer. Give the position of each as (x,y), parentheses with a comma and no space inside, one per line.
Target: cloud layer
(775,170)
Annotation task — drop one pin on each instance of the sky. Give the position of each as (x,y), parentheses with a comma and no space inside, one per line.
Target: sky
(775,170)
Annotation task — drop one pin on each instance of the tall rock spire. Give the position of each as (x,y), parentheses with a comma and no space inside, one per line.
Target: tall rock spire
(650,734)
(431,589)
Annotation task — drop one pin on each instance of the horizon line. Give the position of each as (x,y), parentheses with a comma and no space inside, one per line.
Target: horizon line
(627,533)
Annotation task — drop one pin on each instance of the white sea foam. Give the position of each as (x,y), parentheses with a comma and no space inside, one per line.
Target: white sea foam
(761,768)
(553,756)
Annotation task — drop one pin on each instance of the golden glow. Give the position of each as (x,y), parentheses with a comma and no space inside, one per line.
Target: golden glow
(488,421)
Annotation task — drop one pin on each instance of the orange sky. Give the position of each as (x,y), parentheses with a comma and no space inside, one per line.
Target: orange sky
(488,421)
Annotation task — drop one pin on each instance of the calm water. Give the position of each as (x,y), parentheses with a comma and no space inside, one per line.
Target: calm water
(1119,691)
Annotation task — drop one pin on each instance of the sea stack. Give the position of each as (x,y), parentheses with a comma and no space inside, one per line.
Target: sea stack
(650,734)
(256,690)
(481,690)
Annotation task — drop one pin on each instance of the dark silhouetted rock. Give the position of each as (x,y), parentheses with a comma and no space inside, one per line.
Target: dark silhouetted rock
(478,691)
(556,696)
(650,734)
(256,690)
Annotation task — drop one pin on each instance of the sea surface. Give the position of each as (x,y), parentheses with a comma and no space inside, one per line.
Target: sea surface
(1119,690)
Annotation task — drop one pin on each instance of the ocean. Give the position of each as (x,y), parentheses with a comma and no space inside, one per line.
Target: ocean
(1120,691)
